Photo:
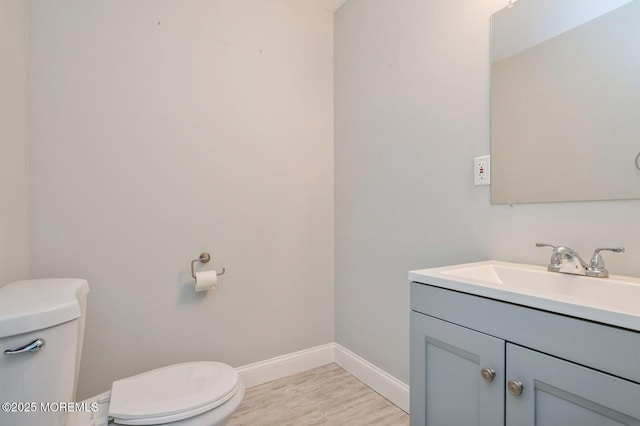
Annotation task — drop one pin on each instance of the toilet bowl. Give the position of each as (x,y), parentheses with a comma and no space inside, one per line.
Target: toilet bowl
(41,334)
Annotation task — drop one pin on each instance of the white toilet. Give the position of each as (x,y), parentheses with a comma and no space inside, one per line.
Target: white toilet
(41,334)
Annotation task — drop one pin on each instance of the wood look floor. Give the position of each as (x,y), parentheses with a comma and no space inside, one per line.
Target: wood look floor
(327,395)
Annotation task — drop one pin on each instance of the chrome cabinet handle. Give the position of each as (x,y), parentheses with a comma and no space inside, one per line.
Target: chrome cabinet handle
(515,387)
(488,374)
(32,347)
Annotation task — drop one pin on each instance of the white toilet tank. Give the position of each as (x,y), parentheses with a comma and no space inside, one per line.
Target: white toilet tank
(37,387)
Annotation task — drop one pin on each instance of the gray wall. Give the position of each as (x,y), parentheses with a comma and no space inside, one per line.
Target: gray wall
(159,133)
(162,129)
(412,110)
(14,143)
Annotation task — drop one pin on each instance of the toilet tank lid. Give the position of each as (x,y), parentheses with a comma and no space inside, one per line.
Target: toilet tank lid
(32,305)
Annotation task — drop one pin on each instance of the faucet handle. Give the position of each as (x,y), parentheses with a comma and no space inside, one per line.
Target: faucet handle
(546,245)
(596,266)
(554,263)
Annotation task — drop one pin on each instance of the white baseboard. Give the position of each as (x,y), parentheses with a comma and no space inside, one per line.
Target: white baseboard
(282,366)
(286,365)
(380,381)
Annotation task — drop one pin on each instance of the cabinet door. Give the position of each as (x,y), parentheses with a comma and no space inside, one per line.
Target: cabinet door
(447,388)
(560,393)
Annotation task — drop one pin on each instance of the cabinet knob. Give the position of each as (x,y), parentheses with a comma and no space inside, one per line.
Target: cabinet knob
(515,387)
(487,374)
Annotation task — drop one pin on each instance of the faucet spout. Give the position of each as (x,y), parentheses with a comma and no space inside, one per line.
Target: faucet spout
(568,261)
(565,260)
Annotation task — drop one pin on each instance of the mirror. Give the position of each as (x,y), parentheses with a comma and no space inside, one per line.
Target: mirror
(565,101)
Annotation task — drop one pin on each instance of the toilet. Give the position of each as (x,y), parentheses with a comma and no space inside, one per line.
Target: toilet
(41,335)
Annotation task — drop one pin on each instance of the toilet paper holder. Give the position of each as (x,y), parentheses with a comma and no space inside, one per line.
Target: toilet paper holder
(204,258)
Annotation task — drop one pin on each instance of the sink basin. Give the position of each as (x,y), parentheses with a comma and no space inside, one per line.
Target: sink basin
(614,300)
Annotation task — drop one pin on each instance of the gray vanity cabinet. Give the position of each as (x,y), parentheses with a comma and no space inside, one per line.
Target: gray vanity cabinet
(557,392)
(446,385)
(470,356)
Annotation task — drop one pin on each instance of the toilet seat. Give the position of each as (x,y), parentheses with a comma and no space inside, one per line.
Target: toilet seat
(172,393)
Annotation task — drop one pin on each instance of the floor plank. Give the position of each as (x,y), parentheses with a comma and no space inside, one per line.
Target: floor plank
(327,395)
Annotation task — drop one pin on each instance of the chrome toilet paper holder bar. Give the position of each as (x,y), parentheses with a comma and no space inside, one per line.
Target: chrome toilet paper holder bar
(204,258)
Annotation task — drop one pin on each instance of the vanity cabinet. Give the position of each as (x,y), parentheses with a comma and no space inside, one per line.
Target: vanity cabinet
(446,383)
(558,392)
(478,361)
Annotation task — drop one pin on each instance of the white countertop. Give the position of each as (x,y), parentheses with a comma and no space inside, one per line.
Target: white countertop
(613,301)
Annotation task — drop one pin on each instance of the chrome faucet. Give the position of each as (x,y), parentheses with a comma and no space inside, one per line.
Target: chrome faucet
(565,260)
(568,261)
